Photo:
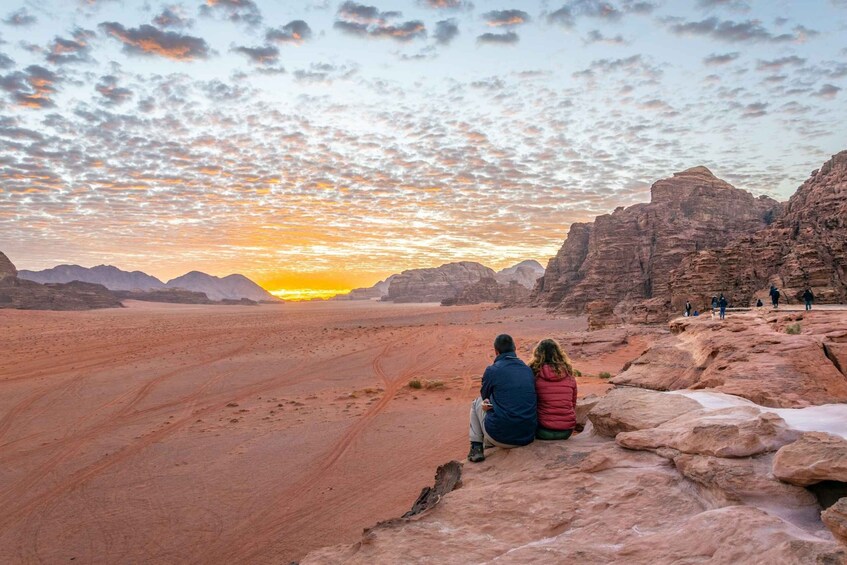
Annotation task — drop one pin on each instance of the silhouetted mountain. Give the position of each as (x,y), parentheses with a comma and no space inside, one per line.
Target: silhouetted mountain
(107,275)
(231,287)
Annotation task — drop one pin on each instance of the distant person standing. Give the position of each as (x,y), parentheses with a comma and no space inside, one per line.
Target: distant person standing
(687,308)
(759,303)
(808,298)
(723,304)
(774,296)
(714,305)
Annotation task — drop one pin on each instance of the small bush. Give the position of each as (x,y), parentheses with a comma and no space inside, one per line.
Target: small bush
(431,385)
(577,373)
(605,375)
(415,383)
(793,329)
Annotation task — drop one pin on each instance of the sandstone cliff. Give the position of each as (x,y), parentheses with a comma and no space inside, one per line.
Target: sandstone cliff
(490,290)
(630,254)
(28,295)
(436,284)
(806,245)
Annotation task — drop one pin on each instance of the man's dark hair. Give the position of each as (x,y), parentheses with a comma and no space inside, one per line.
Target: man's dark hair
(504,343)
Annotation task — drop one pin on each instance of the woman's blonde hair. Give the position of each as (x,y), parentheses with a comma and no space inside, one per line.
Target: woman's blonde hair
(548,352)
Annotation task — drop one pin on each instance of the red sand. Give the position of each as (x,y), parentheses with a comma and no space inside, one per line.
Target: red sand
(169,433)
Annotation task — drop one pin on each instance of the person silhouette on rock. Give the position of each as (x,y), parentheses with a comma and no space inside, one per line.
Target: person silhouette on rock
(808,298)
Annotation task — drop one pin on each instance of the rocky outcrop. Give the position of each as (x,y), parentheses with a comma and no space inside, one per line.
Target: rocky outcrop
(525,273)
(835,518)
(28,295)
(231,287)
(815,457)
(107,275)
(168,295)
(631,409)
(490,290)
(631,253)
(806,245)
(748,355)
(375,292)
(436,284)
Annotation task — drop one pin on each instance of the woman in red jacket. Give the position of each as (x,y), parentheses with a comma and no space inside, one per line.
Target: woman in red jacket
(556,390)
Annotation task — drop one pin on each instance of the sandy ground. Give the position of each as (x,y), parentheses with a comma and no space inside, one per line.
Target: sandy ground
(170,433)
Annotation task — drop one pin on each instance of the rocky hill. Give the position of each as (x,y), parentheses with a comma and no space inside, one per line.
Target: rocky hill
(375,292)
(231,287)
(436,284)
(700,475)
(525,273)
(490,290)
(28,295)
(629,255)
(806,245)
(107,275)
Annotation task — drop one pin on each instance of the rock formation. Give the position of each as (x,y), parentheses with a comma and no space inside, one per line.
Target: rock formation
(28,295)
(231,287)
(169,295)
(436,284)
(806,245)
(748,355)
(629,254)
(375,292)
(525,273)
(107,275)
(490,290)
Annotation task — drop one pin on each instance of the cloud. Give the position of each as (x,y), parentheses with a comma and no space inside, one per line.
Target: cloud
(31,88)
(265,55)
(446,31)
(569,12)
(500,18)
(296,31)
(172,17)
(113,95)
(828,91)
(149,40)
(447,4)
(75,50)
(595,36)
(778,64)
(20,18)
(716,59)
(735,5)
(238,11)
(508,38)
(754,110)
(734,32)
(6,62)
(324,73)
(368,21)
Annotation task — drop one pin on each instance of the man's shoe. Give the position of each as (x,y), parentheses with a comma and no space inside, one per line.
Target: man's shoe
(476,453)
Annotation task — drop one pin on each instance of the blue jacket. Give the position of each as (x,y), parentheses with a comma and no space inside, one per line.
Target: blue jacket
(510,385)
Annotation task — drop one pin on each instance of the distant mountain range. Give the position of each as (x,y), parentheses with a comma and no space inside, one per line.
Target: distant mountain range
(231,287)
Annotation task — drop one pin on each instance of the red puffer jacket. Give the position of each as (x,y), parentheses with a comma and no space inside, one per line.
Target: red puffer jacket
(556,399)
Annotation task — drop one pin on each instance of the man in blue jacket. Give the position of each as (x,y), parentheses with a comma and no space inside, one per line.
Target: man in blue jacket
(505,412)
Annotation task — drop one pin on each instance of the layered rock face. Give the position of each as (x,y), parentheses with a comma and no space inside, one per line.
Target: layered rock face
(805,246)
(490,290)
(28,295)
(630,254)
(436,284)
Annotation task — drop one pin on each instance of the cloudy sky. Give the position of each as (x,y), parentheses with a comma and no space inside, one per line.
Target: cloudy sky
(326,145)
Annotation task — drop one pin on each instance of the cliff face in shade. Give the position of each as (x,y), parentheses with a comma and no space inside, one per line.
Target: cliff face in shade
(107,275)
(806,245)
(28,295)
(436,284)
(232,287)
(490,290)
(630,254)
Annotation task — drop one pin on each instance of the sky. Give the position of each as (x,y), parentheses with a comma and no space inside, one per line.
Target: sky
(318,146)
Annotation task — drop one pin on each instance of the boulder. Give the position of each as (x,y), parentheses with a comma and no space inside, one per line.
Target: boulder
(630,409)
(601,315)
(813,458)
(738,431)
(835,518)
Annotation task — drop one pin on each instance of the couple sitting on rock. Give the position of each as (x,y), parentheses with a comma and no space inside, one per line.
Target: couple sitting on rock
(519,403)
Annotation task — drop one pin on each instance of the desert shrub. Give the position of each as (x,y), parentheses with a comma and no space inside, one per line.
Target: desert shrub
(577,373)
(605,375)
(792,329)
(434,384)
(415,383)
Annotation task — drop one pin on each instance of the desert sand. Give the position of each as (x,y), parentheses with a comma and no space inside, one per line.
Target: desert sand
(175,433)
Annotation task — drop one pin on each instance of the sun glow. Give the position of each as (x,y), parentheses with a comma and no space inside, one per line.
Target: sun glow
(299,294)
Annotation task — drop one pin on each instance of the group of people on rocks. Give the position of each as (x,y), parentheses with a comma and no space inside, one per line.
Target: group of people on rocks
(519,403)
(720,303)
